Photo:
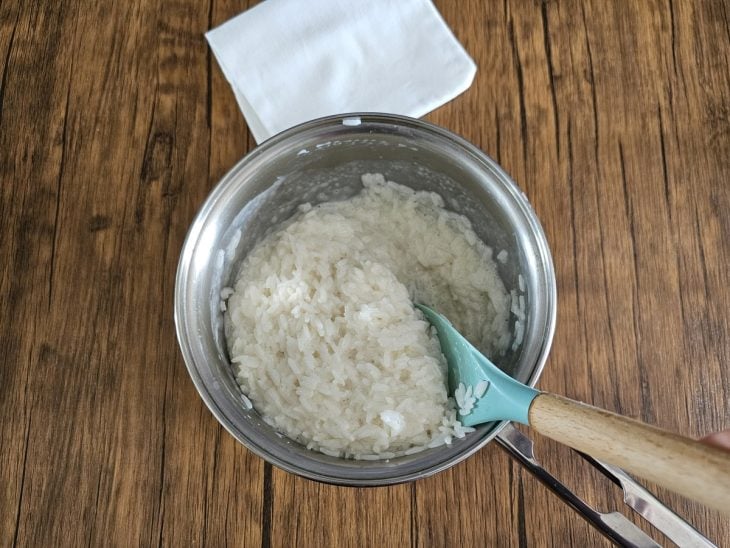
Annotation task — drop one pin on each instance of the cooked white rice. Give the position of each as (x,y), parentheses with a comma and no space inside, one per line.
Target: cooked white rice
(322,330)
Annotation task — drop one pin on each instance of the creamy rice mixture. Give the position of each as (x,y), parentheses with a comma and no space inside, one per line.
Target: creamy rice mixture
(322,331)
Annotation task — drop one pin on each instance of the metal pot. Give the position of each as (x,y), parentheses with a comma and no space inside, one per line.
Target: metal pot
(321,161)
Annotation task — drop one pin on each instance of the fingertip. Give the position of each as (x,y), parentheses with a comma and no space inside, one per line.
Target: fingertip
(718,439)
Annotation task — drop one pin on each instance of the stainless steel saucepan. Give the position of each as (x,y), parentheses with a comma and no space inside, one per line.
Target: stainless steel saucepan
(321,161)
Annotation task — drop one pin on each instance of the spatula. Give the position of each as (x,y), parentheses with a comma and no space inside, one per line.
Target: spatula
(484,394)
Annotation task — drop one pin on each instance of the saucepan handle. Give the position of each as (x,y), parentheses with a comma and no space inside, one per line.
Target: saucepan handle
(613,525)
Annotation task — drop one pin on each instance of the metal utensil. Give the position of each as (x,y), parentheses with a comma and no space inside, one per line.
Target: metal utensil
(613,525)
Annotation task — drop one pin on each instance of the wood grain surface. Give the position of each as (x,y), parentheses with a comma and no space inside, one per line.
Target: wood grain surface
(115,123)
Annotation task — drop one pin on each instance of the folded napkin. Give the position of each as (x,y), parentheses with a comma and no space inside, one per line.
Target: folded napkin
(290,61)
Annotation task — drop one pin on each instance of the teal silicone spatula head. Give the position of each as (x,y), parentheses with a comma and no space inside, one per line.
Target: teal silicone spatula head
(483,392)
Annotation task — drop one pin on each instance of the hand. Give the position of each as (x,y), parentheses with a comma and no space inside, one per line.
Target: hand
(718,439)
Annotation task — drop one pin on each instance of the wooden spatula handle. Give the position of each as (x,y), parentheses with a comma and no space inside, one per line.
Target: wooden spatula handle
(685,466)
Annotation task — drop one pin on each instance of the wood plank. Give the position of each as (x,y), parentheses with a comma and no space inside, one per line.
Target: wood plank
(235,495)
(306,513)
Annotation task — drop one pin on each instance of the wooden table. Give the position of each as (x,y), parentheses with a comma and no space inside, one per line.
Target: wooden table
(115,123)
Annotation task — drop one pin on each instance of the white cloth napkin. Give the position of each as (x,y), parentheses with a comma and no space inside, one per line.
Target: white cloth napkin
(290,61)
